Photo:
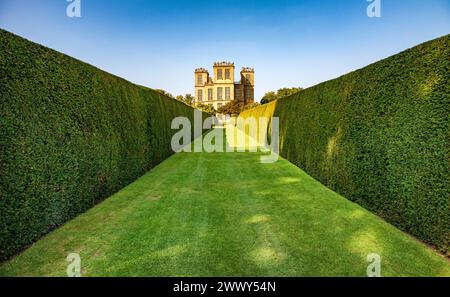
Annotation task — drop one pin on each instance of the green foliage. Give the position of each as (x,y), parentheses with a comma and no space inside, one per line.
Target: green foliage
(70,135)
(281,93)
(269,97)
(206,108)
(165,93)
(250,106)
(188,99)
(232,108)
(380,137)
(284,92)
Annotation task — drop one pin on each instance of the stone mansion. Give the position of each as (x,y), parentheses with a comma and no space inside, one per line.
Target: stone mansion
(222,88)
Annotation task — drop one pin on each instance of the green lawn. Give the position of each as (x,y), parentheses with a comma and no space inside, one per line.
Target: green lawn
(226,214)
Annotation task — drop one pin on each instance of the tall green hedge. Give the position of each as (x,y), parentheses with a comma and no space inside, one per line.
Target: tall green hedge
(70,135)
(380,136)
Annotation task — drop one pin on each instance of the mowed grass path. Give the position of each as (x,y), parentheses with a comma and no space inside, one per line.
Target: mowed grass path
(226,214)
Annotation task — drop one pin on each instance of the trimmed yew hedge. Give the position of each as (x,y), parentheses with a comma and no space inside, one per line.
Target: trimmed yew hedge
(380,136)
(70,136)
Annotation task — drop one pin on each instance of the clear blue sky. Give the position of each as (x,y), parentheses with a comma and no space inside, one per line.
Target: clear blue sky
(289,43)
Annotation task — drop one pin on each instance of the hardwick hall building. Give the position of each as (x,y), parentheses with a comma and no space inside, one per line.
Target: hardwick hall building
(222,88)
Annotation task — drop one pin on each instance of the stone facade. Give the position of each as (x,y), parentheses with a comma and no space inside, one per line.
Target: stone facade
(222,87)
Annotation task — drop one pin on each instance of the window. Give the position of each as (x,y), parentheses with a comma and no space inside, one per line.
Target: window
(237,94)
(248,94)
(227,93)
(210,94)
(219,93)
(200,95)
(200,79)
(247,76)
(227,74)
(219,74)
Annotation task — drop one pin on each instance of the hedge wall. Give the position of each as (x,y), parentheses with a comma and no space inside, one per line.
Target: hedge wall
(380,137)
(70,136)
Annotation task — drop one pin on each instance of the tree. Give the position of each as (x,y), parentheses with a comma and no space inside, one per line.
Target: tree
(232,108)
(283,92)
(188,99)
(269,97)
(206,108)
(250,106)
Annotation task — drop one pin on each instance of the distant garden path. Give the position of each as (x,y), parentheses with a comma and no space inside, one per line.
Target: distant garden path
(226,214)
